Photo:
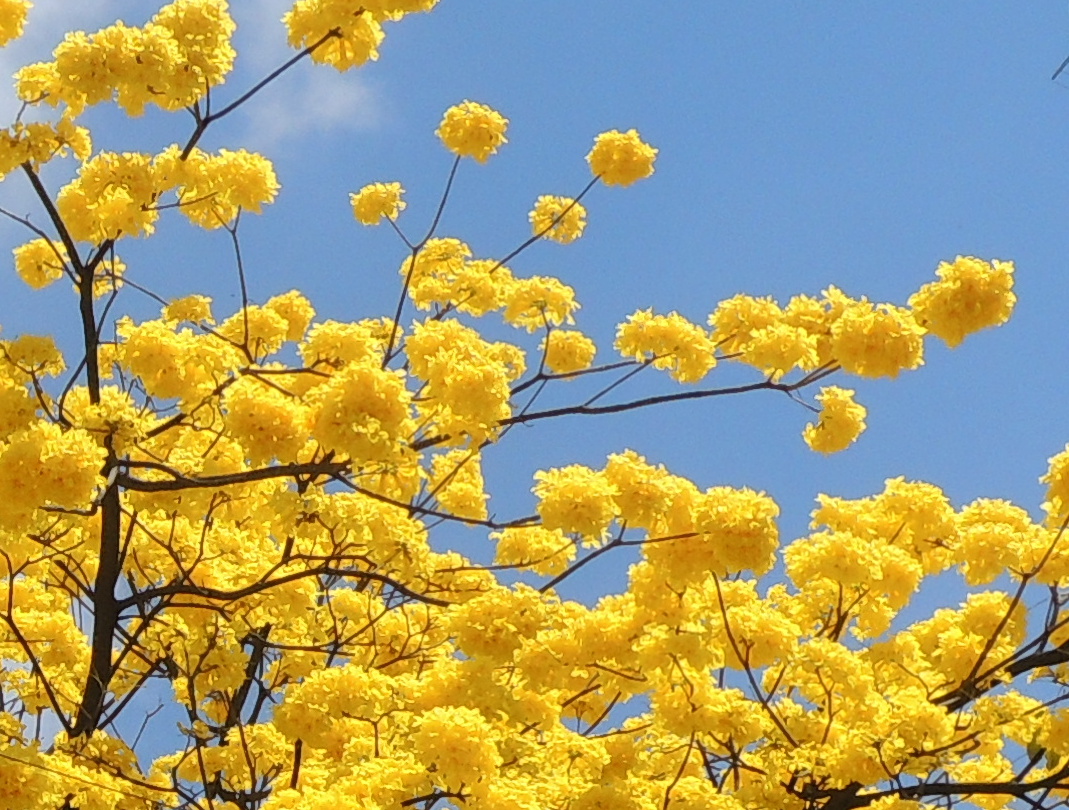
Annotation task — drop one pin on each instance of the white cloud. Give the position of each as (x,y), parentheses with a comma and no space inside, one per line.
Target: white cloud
(317,100)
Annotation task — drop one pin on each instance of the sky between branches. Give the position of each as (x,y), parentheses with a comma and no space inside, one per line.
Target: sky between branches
(800,147)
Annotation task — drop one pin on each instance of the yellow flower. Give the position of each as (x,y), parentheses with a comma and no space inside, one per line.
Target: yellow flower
(561,219)
(363,412)
(33,354)
(644,493)
(738,319)
(777,349)
(568,350)
(470,129)
(971,295)
(457,745)
(112,196)
(576,499)
(457,483)
(621,158)
(1057,481)
(40,262)
(295,310)
(215,188)
(537,302)
(358,35)
(12,19)
(534,547)
(841,421)
(268,423)
(377,200)
(670,341)
(877,341)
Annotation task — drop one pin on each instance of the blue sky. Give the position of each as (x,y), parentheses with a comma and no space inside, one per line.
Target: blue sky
(802,145)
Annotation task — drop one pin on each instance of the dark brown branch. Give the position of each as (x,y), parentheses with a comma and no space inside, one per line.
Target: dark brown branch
(599,410)
(330,469)
(105,610)
(220,595)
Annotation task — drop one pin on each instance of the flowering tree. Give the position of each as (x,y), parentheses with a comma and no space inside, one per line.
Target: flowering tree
(246,515)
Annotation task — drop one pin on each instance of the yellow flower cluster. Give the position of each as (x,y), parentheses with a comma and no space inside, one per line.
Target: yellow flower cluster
(174,365)
(576,500)
(971,295)
(841,421)
(12,19)
(342,35)
(363,412)
(456,481)
(336,344)
(112,196)
(561,219)
(470,129)
(877,341)
(621,158)
(670,342)
(539,302)
(213,188)
(32,356)
(40,262)
(36,143)
(192,308)
(268,423)
(443,274)
(868,340)
(1057,481)
(542,550)
(45,465)
(116,195)
(568,351)
(171,62)
(376,201)
(467,379)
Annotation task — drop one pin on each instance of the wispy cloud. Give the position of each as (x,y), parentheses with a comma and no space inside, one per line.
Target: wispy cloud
(319,100)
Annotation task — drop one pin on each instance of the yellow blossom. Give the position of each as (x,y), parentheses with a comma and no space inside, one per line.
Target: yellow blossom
(539,302)
(470,129)
(377,201)
(568,351)
(1057,480)
(877,341)
(621,158)
(561,219)
(669,342)
(192,308)
(364,413)
(457,483)
(736,321)
(12,19)
(576,499)
(40,262)
(543,550)
(345,39)
(841,421)
(971,295)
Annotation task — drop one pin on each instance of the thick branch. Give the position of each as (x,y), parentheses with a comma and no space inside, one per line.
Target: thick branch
(105,613)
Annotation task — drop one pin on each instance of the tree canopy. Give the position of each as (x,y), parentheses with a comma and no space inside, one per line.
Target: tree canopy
(249,513)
